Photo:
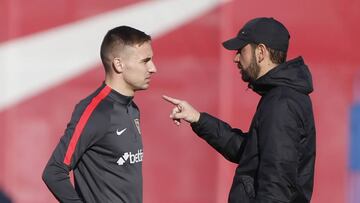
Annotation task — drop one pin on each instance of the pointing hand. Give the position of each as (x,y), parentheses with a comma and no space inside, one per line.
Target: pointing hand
(182,111)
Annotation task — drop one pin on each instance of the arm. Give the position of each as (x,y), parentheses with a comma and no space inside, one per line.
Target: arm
(56,175)
(66,155)
(226,140)
(221,136)
(278,155)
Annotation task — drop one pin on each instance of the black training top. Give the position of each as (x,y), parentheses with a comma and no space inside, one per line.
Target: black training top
(102,144)
(276,157)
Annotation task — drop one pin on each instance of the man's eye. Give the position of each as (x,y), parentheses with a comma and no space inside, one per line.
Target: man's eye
(146,60)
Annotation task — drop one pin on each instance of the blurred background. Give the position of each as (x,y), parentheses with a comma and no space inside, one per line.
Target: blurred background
(49,60)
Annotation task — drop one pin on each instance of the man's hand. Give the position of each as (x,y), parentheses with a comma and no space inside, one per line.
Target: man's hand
(182,111)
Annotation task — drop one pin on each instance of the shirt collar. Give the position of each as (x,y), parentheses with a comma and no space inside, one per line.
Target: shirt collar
(118,96)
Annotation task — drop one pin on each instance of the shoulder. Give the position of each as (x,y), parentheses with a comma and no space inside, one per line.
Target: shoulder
(286,103)
(92,107)
(280,99)
(284,94)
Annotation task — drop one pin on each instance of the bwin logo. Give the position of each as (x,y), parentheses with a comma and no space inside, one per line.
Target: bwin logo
(134,158)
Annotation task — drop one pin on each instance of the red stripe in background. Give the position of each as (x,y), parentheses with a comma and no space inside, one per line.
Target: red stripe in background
(19,18)
(82,122)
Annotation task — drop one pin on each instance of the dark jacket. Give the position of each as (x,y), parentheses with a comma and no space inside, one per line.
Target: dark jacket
(276,156)
(102,144)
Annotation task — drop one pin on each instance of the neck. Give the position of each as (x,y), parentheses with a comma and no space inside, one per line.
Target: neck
(118,85)
(265,67)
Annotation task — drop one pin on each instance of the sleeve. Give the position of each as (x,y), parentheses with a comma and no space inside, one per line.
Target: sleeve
(79,135)
(278,153)
(228,141)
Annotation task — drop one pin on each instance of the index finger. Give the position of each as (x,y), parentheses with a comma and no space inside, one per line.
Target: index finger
(171,100)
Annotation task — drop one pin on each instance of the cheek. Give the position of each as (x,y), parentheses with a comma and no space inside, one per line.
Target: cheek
(247,59)
(139,71)
(244,61)
(135,73)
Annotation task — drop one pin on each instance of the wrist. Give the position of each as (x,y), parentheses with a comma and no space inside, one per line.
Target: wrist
(196,117)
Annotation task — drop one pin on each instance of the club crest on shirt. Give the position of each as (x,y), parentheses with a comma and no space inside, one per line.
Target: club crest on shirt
(137,124)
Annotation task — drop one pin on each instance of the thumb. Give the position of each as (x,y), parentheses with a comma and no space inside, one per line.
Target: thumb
(178,116)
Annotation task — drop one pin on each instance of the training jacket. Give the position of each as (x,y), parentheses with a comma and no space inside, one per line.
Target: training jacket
(102,145)
(276,156)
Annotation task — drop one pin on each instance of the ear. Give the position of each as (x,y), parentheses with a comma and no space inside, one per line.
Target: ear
(118,65)
(261,52)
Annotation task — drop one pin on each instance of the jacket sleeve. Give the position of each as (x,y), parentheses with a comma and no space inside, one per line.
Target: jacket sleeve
(221,136)
(278,153)
(66,155)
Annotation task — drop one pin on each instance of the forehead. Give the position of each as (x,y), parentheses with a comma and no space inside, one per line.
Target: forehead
(140,50)
(246,47)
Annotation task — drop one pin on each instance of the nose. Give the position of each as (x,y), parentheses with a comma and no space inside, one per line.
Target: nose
(236,58)
(152,68)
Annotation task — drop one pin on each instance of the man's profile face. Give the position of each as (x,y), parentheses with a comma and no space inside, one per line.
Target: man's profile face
(138,66)
(246,63)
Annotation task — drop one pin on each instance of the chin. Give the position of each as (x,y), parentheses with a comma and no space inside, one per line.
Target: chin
(144,87)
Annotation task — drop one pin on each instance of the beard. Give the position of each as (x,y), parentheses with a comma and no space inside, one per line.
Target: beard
(251,73)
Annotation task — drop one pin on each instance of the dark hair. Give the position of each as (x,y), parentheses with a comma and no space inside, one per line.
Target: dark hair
(117,38)
(276,56)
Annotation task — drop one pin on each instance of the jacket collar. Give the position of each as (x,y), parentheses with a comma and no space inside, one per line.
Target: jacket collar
(293,74)
(118,97)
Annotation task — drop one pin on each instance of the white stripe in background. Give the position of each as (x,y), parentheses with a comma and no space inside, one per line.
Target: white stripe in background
(37,62)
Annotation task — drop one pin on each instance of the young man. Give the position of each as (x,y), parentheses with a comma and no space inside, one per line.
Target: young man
(102,143)
(276,156)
